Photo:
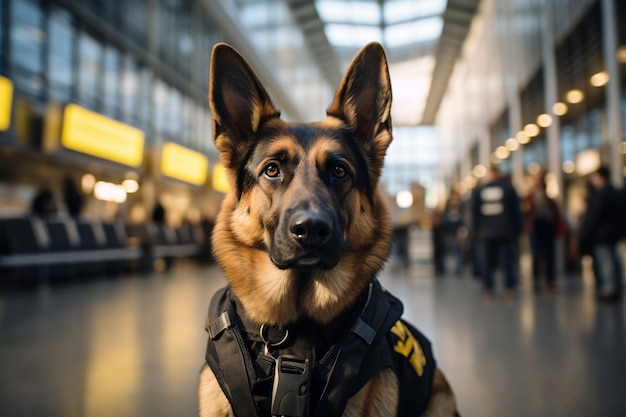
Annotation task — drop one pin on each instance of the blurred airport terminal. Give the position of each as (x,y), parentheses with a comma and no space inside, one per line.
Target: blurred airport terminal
(110,184)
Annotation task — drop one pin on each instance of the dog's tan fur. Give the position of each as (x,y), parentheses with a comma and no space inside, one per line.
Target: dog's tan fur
(251,211)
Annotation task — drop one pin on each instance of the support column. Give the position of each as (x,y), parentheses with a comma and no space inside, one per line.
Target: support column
(553,132)
(510,52)
(613,92)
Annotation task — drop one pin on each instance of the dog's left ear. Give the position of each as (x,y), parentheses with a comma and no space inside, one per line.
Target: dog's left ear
(239,104)
(363,100)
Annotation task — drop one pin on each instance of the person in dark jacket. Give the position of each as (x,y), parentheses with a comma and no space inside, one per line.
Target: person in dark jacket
(72,197)
(543,223)
(497,221)
(599,234)
(43,203)
(453,228)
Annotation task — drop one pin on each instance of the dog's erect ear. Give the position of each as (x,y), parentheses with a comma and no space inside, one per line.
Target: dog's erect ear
(239,104)
(363,100)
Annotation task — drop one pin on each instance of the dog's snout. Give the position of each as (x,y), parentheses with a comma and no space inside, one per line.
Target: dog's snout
(311,228)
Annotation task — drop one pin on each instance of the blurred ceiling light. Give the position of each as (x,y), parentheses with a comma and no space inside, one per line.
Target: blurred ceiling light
(552,188)
(531,130)
(479,171)
(130,185)
(107,191)
(522,137)
(569,167)
(494,159)
(544,120)
(621,54)
(512,144)
(502,152)
(574,96)
(599,79)
(87,183)
(559,108)
(404,199)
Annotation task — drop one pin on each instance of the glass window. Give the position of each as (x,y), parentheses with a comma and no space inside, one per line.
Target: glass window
(60,68)
(146,106)
(160,96)
(89,69)
(111,81)
(129,91)
(27,39)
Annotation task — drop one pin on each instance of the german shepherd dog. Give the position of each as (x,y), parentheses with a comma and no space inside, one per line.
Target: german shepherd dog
(301,236)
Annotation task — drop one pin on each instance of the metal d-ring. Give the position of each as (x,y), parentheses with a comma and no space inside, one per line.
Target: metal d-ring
(268,343)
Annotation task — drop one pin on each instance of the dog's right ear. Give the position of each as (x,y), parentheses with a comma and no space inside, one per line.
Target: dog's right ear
(239,104)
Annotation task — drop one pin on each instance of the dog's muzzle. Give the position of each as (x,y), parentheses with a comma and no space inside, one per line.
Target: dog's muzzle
(306,240)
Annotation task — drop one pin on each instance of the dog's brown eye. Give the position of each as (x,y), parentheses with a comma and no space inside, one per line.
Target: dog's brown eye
(272,170)
(340,171)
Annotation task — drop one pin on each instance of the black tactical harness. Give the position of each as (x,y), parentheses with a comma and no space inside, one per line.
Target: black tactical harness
(309,369)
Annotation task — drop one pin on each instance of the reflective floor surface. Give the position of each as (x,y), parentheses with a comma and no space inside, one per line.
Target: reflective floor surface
(133,346)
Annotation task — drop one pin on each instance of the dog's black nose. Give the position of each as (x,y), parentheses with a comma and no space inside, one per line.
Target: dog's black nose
(311,227)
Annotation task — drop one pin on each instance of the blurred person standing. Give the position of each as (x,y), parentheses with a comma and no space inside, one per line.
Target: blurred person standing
(158,213)
(453,228)
(43,203)
(497,222)
(600,232)
(72,197)
(543,222)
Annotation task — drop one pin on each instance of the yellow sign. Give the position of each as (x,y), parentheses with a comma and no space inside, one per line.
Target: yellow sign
(6,102)
(94,134)
(220,179)
(408,347)
(183,163)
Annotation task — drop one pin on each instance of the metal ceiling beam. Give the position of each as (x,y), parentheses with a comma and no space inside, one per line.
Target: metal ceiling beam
(457,21)
(308,20)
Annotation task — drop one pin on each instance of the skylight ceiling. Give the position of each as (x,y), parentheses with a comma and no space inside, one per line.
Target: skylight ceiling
(393,22)
(409,31)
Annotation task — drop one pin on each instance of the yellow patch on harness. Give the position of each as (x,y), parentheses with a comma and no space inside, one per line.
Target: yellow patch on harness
(408,347)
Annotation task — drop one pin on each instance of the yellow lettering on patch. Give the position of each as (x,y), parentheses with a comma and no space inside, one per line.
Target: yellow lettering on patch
(408,347)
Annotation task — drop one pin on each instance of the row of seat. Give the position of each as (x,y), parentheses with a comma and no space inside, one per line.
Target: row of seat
(34,247)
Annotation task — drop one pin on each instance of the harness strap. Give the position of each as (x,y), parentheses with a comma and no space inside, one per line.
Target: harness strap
(363,344)
(234,356)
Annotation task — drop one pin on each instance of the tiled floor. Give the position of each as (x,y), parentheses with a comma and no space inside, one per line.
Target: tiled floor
(132,346)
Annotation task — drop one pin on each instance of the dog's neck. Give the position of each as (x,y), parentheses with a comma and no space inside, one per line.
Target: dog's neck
(305,334)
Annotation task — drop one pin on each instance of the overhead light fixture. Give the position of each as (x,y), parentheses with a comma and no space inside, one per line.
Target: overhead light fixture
(502,152)
(531,130)
(87,182)
(522,137)
(512,144)
(599,79)
(130,185)
(479,171)
(494,159)
(544,120)
(559,108)
(574,96)
(404,199)
(569,167)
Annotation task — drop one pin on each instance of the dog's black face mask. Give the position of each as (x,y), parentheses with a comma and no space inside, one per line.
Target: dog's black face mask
(308,175)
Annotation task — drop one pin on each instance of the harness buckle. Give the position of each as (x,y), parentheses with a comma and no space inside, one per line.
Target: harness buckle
(292,381)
